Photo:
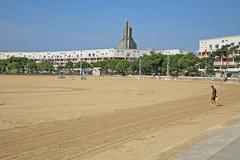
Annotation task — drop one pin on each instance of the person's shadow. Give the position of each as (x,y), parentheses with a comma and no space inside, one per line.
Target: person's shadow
(219,105)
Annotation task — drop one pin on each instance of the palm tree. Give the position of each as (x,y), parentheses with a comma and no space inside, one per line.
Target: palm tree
(226,51)
(237,59)
(233,49)
(221,53)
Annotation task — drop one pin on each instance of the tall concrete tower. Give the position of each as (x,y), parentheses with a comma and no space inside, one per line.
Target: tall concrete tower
(127,42)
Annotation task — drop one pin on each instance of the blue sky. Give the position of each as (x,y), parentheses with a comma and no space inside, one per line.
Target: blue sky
(42,25)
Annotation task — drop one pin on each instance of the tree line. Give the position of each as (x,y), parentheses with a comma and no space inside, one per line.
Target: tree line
(153,64)
(18,65)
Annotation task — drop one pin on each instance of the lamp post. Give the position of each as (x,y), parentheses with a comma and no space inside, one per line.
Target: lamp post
(140,67)
(168,67)
(221,69)
(81,69)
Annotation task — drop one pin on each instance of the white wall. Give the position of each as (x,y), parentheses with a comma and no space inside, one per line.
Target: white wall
(210,45)
(174,51)
(90,56)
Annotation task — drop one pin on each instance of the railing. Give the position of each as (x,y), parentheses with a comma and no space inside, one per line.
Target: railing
(231,63)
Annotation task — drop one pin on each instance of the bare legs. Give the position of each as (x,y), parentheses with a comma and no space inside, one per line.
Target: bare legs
(213,102)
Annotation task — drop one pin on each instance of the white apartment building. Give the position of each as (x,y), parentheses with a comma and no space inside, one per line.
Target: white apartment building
(174,51)
(207,46)
(90,56)
(169,51)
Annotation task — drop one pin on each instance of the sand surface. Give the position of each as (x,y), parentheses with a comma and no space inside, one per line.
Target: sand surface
(43,117)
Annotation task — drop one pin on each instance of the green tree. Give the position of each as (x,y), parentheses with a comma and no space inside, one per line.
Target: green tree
(152,64)
(69,65)
(13,67)
(31,66)
(45,66)
(157,62)
(3,66)
(207,64)
(146,65)
(111,65)
(102,64)
(174,69)
(237,59)
(20,64)
(187,64)
(83,65)
(134,67)
(226,52)
(122,67)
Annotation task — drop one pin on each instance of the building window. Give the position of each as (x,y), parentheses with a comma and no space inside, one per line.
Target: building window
(232,44)
(210,46)
(217,46)
(93,54)
(89,55)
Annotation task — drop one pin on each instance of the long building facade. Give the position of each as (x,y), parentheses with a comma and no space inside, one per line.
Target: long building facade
(91,56)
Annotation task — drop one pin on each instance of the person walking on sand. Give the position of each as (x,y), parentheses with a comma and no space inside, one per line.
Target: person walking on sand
(214,95)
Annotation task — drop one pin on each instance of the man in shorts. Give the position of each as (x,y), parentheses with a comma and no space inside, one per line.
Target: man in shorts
(214,95)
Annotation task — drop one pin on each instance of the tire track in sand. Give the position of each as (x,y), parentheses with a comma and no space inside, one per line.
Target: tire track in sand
(100,138)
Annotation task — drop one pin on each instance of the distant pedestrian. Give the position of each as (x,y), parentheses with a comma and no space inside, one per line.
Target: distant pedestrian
(214,96)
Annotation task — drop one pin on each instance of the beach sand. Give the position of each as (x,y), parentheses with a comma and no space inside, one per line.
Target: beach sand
(103,118)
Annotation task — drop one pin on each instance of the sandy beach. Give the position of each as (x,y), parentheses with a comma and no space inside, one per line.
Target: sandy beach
(43,117)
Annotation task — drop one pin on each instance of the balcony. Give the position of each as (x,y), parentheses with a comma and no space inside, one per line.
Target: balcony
(230,63)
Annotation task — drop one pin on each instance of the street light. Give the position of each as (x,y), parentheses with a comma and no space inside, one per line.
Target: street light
(140,67)
(168,67)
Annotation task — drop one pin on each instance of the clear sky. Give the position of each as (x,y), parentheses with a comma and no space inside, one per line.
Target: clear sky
(42,25)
